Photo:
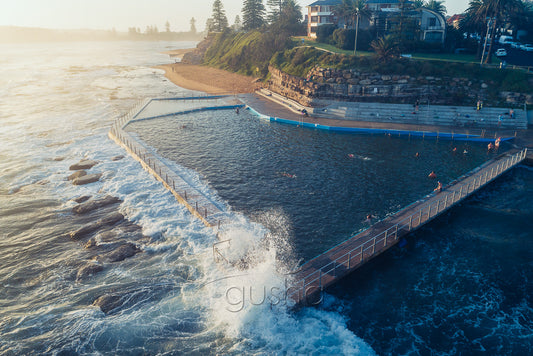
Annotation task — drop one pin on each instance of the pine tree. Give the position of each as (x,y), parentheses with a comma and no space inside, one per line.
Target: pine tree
(220,21)
(167,26)
(253,14)
(193,25)
(237,25)
(275,7)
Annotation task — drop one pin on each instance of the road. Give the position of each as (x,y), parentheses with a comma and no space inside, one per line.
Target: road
(515,56)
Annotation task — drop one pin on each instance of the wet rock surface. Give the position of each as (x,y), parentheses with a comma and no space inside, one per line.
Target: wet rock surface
(117,158)
(108,302)
(122,252)
(88,270)
(83,164)
(82,199)
(95,204)
(77,174)
(108,220)
(86,179)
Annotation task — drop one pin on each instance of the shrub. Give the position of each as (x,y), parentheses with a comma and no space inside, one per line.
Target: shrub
(515,81)
(343,39)
(324,32)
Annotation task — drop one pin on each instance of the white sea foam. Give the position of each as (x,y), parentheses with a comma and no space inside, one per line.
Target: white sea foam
(175,290)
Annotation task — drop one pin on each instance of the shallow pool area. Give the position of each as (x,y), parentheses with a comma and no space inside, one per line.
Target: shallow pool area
(320,184)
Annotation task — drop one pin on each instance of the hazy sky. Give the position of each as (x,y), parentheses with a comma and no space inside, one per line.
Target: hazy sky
(122,14)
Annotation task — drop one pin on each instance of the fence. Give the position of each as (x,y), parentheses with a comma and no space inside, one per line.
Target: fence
(209,212)
(356,256)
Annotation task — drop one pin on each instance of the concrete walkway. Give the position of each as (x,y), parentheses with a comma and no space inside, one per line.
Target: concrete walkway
(291,111)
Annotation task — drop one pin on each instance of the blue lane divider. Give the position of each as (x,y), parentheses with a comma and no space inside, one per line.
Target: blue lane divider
(431,134)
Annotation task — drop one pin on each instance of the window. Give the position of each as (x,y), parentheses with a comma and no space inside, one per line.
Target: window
(313,29)
(314,8)
(432,21)
(314,18)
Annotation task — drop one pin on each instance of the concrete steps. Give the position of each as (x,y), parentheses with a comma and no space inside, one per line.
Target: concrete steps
(440,115)
(455,116)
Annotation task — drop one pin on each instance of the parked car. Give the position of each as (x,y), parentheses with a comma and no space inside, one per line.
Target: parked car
(516,45)
(501,52)
(527,47)
(505,39)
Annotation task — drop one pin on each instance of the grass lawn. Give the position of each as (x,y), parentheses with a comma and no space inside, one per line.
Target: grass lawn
(327,47)
(447,57)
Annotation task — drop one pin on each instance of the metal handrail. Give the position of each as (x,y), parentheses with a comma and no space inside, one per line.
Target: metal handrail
(477,183)
(160,170)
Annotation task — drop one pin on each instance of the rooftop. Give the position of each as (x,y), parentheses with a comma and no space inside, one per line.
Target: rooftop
(369,2)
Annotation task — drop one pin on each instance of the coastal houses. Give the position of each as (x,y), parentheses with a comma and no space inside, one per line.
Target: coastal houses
(431,25)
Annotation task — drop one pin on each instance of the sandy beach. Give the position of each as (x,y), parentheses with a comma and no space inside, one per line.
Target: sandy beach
(208,79)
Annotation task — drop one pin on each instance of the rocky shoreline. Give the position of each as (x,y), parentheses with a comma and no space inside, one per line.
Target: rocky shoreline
(106,233)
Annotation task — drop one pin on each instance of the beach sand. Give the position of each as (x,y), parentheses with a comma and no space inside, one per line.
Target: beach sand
(208,79)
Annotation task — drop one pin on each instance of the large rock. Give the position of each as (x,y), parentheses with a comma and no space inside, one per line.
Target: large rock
(82,199)
(88,270)
(95,204)
(108,220)
(105,237)
(77,174)
(89,178)
(83,164)
(108,302)
(122,252)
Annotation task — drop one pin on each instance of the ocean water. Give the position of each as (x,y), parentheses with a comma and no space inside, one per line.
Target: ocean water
(462,285)
(57,105)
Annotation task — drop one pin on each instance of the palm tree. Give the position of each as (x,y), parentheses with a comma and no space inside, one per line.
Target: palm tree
(417,4)
(436,5)
(351,11)
(386,48)
(493,11)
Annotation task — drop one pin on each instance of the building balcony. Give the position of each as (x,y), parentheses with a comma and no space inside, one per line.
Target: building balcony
(327,13)
(432,28)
